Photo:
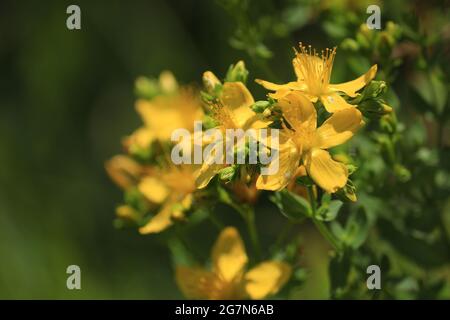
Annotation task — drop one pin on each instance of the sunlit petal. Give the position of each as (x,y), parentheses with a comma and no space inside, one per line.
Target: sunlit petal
(334,102)
(235,95)
(196,283)
(330,175)
(282,167)
(298,111)
(153,189)
(161,221)
(266,279)
(228,255)
(350,87)
(338,128)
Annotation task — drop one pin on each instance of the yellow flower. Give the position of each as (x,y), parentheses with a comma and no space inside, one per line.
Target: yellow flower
(123,170)
(307,144)
(165,113)
(173,190)
(313,79)
(232,112)
(228,279)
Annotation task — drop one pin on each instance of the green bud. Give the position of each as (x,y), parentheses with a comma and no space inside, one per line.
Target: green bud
(402,173)
(227,174)
(140,153)
(237,72)
(374,89)
(208,122)
(393,29)
(206,97)
(348,192)
(373,109)
(388,123)
(260,106)
(146,88)
(350,45)
(351,168)
(385,44)
(135,199)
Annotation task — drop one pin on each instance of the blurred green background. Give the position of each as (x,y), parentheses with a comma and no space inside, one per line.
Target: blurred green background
(66,100)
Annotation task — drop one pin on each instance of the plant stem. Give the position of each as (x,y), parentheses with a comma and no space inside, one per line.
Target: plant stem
(320,225)
(248,214)
(283,234)
(215,221)
(250,219)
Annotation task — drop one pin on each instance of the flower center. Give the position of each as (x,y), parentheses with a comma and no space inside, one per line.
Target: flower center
(315,69)
(304,139)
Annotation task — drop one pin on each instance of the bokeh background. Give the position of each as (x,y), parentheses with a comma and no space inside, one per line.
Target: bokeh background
(67,99)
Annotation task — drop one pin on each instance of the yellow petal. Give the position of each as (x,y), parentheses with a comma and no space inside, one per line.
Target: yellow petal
(126,212)
(350,87)
(142,138)
(258,123)
(298,111)
(285,166)
(334,102)
(266,279)
(244,117)
(293,85)
(161,221)
(162,115)
(235,95)
(206,173)
(167,82)
(228,255)
(153,189)
(123,170)
(196,283)
(338,128)
(327,173)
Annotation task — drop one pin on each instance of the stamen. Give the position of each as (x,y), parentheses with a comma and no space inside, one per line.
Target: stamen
(315,69)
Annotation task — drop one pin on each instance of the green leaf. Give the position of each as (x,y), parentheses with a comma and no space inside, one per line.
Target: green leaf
(339,269)
(356,229)
(329,211)
(293,206)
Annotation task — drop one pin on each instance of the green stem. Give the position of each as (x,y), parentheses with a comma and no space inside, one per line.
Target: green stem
(215,221)
(253,232)
(283,234)
(320,225)
(248,214)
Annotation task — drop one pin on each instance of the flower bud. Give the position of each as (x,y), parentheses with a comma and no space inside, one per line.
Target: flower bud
(375,89)
(260,106)
(237,72)
(146,88)
(350,44)
(227,174)
(210,81)
(402,173)
(167,82)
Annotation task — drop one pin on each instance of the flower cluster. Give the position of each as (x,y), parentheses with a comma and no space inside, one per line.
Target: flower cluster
(311,116)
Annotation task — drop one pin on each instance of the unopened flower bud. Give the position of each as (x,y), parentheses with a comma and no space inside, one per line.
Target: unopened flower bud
(227,174)
(146,88)
(260,106)
(167,82)
(237,72)
(210,81)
